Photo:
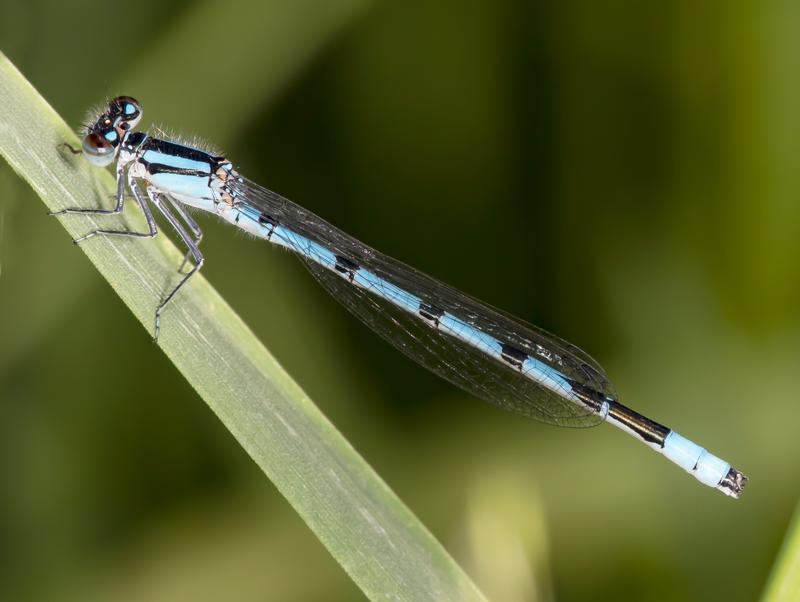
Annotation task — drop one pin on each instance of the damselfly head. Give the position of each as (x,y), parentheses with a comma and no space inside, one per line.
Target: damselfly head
(102,137)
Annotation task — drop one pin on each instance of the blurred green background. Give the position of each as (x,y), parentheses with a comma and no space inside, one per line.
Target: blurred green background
(621,173)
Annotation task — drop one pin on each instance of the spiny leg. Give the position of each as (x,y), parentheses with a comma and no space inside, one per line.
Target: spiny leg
(120,196)
(158,201)
(148,216)
(189,221)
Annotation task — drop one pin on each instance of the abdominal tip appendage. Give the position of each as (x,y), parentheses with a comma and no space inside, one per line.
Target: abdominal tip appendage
(733,483)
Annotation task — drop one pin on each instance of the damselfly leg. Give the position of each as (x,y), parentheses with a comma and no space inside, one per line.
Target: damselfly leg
(190,238)
(158,200)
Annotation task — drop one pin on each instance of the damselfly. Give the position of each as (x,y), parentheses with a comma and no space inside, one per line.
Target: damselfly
(509,363)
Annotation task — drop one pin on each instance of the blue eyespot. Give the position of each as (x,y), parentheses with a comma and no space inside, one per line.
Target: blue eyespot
(127,110)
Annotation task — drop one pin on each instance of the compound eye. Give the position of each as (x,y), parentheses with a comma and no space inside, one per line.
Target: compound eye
(98,150)
(129,111)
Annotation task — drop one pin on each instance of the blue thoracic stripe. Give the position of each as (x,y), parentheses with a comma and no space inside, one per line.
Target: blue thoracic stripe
(177,155)
(182,170)
(177,162)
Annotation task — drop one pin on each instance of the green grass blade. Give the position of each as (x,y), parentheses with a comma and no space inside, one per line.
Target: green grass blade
(784,582)
(376,539)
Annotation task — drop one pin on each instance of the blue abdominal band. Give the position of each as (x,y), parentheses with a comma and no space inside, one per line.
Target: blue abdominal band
(706,467)
(363,278)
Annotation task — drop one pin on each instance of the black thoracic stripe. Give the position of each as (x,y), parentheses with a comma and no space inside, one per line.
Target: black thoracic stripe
(431,313)
(345,266)
(156,168)
(134,139)
(513,356)
(179,150)
(271,222)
